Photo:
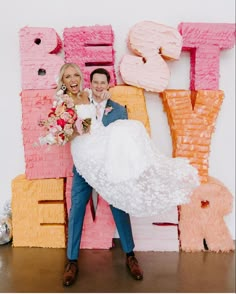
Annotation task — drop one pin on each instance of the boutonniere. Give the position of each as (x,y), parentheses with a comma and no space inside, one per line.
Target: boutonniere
(108,109)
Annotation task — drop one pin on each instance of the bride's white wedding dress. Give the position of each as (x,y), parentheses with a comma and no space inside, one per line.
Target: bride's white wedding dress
(122,164)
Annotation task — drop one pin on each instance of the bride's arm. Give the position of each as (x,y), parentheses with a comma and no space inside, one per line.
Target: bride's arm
(76,133)
(82,99)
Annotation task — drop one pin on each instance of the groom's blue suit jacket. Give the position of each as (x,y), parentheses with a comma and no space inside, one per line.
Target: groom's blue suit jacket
(118,112)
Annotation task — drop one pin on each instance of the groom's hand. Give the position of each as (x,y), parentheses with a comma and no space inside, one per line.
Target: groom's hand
(105,95)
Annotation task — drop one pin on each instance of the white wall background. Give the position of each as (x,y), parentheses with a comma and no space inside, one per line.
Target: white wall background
(122,15)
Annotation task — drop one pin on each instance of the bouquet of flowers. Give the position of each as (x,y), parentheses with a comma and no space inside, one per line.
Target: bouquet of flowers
(61,122)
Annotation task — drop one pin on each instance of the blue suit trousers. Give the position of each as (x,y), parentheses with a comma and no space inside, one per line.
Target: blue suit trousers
(80,195)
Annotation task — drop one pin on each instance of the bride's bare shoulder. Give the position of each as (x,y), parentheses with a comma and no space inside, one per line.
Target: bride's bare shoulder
(84,97)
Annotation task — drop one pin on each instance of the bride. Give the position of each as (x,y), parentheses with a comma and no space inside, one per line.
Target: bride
(117,157)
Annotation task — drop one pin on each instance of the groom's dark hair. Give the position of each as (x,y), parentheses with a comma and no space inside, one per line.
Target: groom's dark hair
(102,71)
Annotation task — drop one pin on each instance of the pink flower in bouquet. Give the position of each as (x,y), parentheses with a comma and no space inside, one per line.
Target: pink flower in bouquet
(61,122)
(68,129)
(60,109)
(72,113)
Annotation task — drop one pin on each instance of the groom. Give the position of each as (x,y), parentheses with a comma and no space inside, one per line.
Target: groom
(81,191)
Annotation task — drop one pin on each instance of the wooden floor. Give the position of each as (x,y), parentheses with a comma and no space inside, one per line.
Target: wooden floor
(40,270)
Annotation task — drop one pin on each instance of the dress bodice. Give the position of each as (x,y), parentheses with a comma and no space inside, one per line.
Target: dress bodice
(86,111)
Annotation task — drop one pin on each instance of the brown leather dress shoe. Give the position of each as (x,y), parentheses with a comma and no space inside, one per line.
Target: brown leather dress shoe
(134,267)
(70,273)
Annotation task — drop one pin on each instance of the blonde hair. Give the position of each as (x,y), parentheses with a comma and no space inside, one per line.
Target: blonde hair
(62,71)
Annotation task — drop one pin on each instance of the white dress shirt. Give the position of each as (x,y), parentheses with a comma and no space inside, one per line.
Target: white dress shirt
(92,100)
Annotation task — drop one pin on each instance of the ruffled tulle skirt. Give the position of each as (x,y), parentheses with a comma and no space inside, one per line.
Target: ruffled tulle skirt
(122,164)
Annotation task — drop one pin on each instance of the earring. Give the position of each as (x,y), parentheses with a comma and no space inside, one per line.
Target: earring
(63,87)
